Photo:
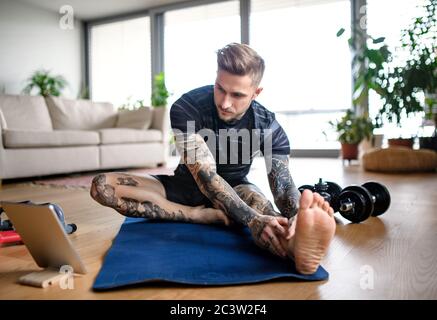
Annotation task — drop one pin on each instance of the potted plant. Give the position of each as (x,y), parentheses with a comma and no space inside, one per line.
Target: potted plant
(159,92)
(412,86)
(430,141)
(45,83)
(351,130)
(370,57)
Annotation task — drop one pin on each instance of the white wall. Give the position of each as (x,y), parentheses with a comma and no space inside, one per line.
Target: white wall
(30,39)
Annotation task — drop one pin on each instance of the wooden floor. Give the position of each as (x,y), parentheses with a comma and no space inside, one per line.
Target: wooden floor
(398,249)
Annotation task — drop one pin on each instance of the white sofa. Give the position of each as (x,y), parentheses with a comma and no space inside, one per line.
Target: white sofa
(43,136)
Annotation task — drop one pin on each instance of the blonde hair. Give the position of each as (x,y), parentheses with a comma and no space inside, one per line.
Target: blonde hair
(240,59)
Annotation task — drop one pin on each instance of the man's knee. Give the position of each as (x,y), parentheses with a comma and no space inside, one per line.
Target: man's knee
(96,182)
(100,189)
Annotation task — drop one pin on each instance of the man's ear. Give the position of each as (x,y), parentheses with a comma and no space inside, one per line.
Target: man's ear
(257,92)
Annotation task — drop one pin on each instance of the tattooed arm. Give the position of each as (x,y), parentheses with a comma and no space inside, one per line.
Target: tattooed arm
(284,191)
(200,162)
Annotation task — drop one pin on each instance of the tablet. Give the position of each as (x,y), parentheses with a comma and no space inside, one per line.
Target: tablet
(43,235)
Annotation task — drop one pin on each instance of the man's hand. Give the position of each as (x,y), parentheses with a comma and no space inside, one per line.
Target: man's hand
(266,231)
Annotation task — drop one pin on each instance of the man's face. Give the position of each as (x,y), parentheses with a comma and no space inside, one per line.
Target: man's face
(233,95)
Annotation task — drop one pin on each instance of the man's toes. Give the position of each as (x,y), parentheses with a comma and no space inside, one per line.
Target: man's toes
(318,200)
(306,199)
(326,206)
(321,201)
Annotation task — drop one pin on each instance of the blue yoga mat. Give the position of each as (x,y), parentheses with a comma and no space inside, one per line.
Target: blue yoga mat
(197,254)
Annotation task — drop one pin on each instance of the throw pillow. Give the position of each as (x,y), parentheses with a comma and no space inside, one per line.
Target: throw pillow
(135,119)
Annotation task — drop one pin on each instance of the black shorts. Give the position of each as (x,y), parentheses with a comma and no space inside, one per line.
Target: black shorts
(184,190)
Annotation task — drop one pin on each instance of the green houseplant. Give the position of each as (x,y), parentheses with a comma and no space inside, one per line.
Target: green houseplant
(45,83)
(411,87)
(351,130)
(159,92)
(369,63)
(159,98)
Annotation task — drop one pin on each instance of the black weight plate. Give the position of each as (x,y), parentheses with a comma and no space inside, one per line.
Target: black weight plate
(363,203)
(334,190)
(358,212)
(306,186)
(382,197)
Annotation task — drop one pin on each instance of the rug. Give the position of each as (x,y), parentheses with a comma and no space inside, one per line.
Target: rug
(147,251)
(83,181)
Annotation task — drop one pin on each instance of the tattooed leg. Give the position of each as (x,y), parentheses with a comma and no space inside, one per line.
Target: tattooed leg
(144,197)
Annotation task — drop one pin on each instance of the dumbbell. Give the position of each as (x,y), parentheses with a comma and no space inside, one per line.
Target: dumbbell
(358,203)
(5,225)
(69,228)
(7,233)
(355,203)
(327,189)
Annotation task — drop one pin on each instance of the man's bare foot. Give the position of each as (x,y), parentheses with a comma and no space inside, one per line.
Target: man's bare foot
(209,216)
(311,232)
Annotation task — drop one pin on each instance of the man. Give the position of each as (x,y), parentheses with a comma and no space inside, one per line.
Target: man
(208,187)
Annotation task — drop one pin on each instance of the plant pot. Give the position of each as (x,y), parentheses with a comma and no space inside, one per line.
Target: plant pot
(428,143)
(349,151)
(401,142)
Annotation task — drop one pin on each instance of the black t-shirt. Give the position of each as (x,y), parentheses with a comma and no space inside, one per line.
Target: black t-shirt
(233,145)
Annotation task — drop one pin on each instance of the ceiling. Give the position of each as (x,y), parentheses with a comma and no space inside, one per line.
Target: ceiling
(94,9)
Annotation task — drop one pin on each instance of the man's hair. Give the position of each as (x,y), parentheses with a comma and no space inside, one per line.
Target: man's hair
(240,59)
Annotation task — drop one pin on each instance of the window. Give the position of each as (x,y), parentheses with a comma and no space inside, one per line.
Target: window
(120,61)
(307,67)
(400,14)
(192,37)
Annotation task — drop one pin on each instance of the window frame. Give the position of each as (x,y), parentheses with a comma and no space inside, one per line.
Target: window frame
(156,16)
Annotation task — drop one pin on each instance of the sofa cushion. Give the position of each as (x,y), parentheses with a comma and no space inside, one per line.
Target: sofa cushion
(25,112)
(135,119)
(80,114)
(123,135)
(56,138)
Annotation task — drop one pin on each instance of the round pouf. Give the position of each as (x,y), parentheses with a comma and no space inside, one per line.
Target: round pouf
(399,159)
